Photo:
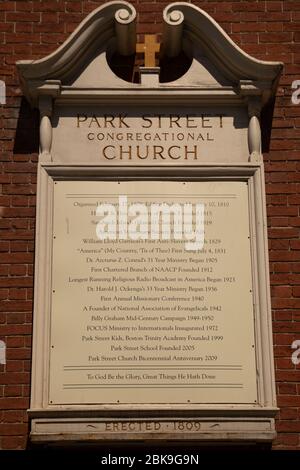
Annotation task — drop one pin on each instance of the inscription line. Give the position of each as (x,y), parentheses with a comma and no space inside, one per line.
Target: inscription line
(86,387)
(70,368)
(222,196)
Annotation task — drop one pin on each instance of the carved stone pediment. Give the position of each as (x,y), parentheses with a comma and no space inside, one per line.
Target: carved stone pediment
(80,67)
(220,73)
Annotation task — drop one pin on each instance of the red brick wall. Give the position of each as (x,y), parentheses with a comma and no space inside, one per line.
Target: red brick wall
(31,29)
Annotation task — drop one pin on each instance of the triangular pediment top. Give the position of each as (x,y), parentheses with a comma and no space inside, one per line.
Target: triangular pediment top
(81,62)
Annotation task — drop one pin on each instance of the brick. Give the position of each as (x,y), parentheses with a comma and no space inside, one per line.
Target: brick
(27,365)
(247,6)
(289,413)
(289,376)
(15,378)
(14,403)
(6,27)
(275,16)
(283,440)
(19,353)
(15,325)
(296,291)
(297,36)
(4,246)
(295,244)
(281,188)
(288,400)
(19,212)
(50,6)
(16,258)
(18,246)
(288,426)
(44,49)
(3,294)
(279,244)
(279,278)
(284,325)
(14,366)
(50,17)
(283,232)
(278,222)
(282,363)
(273,6)
(19,167)
(24,6)
(294,221)
(287,389)
(12,429)
(17,201)
(74,7)
(18,234)
(22,38)
(13,391)
(7,6)
(5,201)
(294,199)
(17,270)
(278,200)
(24,16)
(44,28)
(17,294)
(296,316)
(283,339)
(291,5)
(15,416)
(19,189)
(225,16)
(281,291)
(53,38)
(16,306)
(13,442)
(281,255)
(4,270)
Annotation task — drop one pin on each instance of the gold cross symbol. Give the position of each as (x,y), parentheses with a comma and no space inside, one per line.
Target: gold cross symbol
(149,48)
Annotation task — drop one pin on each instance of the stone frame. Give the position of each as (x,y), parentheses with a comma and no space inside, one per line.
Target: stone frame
(74,422)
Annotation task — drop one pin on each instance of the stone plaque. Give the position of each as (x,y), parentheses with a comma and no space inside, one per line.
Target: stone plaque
(140,318)
(124,136)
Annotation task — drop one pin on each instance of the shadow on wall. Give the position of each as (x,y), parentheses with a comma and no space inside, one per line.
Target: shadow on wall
(266,129)
(27,131)
(127,67)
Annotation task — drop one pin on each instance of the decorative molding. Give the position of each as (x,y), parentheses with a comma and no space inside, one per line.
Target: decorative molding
(254,130)
(45,106)
(125,30)
(95,430)
(173,31)
(218,422)
(184,20)
(112,26)
(113,20)
(254,139)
